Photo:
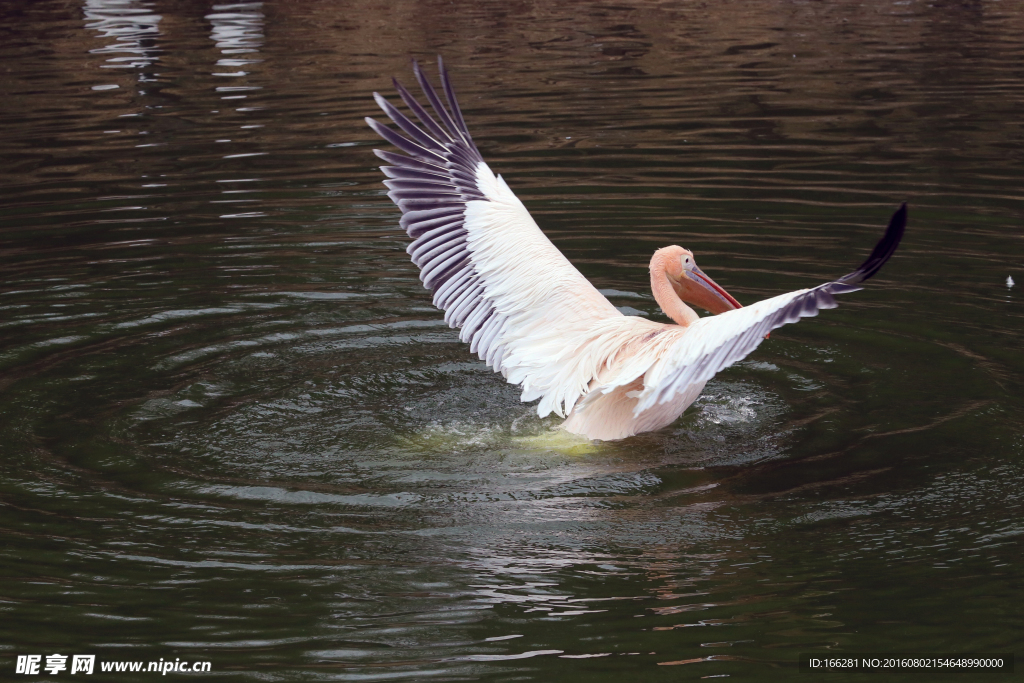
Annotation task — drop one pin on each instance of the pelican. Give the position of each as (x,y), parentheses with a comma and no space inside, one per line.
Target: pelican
(533,317)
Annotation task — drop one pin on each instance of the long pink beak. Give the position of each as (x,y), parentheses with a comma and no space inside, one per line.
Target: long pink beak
(707,293)
(715,287)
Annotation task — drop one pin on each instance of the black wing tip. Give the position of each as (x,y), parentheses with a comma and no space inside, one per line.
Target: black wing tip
(883,251)
(450,124)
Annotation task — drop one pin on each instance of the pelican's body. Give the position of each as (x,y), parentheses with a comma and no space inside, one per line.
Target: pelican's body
(533,317)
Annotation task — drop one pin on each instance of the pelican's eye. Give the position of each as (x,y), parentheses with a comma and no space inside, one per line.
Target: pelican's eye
(686,262)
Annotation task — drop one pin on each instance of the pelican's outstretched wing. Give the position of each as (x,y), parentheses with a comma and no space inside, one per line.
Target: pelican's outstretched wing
(520,304)
(713,343)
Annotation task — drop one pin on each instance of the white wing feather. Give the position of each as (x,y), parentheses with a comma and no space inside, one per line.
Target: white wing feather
(524,309)
(680,357)
(684,357)
(553,331)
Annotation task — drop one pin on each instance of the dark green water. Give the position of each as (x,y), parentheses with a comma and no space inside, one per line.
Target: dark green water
(233,428)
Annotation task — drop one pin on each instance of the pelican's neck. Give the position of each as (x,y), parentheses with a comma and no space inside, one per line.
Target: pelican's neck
(666,295)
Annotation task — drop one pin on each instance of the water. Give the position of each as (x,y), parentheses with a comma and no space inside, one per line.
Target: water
(234,429)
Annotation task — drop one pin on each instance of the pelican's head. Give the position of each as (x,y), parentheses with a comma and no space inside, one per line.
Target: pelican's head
(691,284)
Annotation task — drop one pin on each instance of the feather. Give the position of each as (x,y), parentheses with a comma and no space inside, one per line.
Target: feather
(532,316)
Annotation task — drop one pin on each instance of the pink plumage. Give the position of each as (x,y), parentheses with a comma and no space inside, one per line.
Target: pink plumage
(533,317)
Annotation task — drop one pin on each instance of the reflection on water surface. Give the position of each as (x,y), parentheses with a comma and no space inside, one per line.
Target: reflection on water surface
(235,429)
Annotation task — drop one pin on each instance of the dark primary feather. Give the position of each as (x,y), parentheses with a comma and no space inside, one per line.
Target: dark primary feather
(885,248)
(431,186)
(805,305)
